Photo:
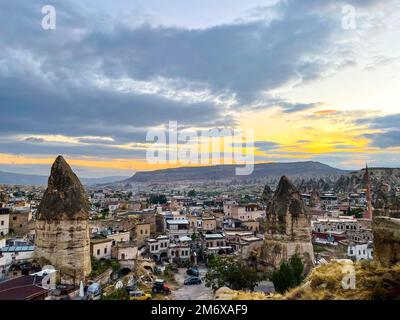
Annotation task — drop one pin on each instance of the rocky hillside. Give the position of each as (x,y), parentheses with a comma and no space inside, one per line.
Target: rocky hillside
(306,169)
(355,180)
(372,282)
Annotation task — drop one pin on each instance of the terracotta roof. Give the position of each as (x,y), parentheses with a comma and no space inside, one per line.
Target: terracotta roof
(21,288)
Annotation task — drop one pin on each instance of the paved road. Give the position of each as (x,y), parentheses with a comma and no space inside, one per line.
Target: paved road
(191,292)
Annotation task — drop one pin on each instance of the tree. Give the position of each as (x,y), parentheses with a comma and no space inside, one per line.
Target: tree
(356,212)
(192,193)
(158,199)
(289,275)
(297,268)
(229,272)
(283,278)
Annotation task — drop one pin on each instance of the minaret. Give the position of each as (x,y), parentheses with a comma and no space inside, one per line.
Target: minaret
(367,180)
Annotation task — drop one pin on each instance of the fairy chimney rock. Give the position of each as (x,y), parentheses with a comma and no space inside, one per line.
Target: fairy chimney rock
(288,229)
(62,229)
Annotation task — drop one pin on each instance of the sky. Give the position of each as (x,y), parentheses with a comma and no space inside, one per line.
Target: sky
(315,80)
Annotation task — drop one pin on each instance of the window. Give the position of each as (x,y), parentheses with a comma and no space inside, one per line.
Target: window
(105,250)
(122,256)
(98,252)
(141,231)
(14,218)
(2,222)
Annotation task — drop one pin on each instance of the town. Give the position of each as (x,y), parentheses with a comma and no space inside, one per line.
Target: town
(159,241)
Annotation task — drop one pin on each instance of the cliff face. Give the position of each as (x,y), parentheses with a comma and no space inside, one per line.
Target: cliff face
(386,226)
(288,230)
(386,232)
(62,228)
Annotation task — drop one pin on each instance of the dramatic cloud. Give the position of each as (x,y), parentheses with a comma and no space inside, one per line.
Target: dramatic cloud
(389,135)
(266,145)
(102,81)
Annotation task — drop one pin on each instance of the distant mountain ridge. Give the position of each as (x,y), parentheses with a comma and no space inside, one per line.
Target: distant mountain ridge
(224,172)
(39,180)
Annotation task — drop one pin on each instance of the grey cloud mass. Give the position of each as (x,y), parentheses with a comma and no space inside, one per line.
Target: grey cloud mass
(58,81)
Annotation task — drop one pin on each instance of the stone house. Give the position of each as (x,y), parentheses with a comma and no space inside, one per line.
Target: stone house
(179,251)
(158,247)
(19,222)
(209,224)
(101,248)
(251,225)
(118,237)
(142,232)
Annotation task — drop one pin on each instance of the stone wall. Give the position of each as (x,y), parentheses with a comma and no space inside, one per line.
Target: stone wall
(65,245)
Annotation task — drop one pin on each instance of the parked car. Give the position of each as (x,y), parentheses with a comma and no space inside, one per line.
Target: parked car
(160,286)
(192,280)
(139,295)
(192,272)
(94,292)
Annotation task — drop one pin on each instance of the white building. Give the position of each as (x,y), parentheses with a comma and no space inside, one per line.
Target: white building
(12,255)
(4,222)
(248,212)
(177,227)
(158,247)
(360,251)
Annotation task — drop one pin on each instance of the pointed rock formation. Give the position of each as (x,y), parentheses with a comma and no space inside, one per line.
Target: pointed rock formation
(64,197)
(3,197)
(314,199)
(288,229)
(62,229)
(267,194)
